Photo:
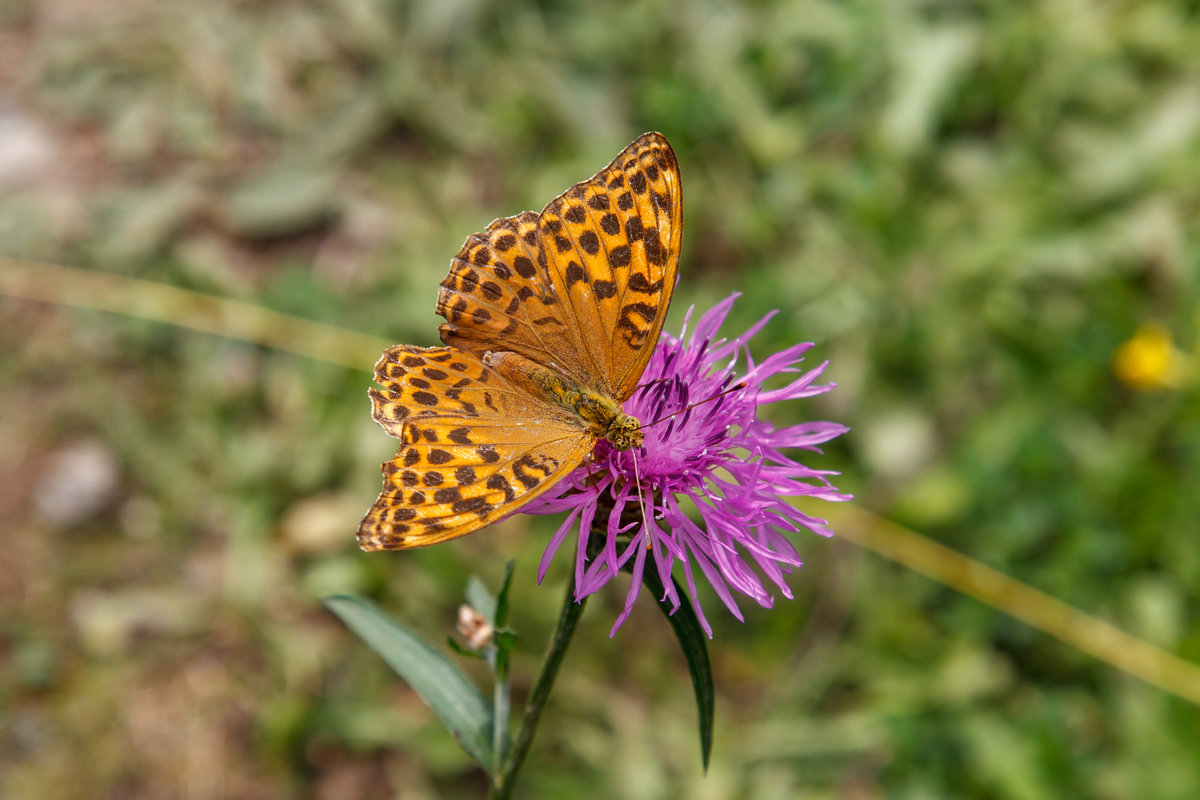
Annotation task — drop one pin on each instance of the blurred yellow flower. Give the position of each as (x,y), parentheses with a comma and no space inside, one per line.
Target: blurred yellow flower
(1149,360)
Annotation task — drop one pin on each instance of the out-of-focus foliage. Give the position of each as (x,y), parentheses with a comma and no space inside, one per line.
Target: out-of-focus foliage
(969,206)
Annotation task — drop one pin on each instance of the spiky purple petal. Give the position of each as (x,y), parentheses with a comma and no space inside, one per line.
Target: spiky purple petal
(718,457)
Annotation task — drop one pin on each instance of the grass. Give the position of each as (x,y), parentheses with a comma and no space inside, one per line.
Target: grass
(968,207)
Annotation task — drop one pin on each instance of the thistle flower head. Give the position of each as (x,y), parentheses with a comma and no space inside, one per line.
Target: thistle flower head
(712,478)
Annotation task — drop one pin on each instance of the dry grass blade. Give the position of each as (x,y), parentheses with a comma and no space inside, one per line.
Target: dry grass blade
(234,319)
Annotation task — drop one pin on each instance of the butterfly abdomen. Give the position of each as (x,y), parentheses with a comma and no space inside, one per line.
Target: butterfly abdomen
(601,414)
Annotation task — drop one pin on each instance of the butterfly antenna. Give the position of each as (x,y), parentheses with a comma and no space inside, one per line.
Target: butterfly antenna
(637,477)
(737,387)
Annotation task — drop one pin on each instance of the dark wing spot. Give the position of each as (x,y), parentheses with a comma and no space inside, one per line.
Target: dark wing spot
(425,398)
(500,483)
(502,272)
(449,495)
(599,202)
(460,436)
(562,243)
(638,283)
(479,505)
(632,332)
(634,229)
(610,224)
(420,383)
(625,201)
(575,214)
(524,267)
(480,316)
(434,374)
(437,456)
(411,457)
(637,182)
(416,499)
(413,361)
(655,252)
(520,470)
(652,172)
(400,514)
(604,289)
(465,475)
(619,256)
(505,241)
(490,290)
(643,310)
(488,453)
(483,256)
(409,477)
(590,242)
(553,225)
(617,182)
(433,478)
(575,274)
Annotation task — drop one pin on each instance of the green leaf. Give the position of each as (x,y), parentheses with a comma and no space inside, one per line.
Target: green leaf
(505,639)
(461,649)
(694,644)
(500,619)
(443,687)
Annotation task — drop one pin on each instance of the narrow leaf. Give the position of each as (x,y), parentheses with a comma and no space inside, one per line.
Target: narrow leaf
(501,617)
(436,679)
(461,649)
(694,644)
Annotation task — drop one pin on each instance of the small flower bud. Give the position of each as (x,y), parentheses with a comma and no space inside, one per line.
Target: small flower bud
(474,628)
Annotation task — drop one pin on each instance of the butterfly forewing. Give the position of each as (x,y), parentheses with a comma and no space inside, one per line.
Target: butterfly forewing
(584,286)
(474,447)
(611,248)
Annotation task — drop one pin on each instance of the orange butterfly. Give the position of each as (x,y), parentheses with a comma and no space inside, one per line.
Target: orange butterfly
(550,320)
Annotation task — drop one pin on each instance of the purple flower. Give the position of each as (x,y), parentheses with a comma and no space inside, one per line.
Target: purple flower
(716,458)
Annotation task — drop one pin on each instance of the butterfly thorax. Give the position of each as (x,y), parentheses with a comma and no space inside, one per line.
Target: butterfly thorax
(602,413)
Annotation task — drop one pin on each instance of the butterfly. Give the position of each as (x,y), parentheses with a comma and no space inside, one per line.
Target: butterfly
(550,321)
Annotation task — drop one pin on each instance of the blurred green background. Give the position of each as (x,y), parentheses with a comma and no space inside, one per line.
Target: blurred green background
(968,206)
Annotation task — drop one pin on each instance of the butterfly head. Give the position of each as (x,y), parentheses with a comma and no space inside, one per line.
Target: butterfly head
(624,432)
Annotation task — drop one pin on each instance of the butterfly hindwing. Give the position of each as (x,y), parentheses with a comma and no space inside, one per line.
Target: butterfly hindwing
(474,448)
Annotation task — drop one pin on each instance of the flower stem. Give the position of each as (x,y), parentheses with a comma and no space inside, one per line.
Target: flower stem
(567,619)
(501,705)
